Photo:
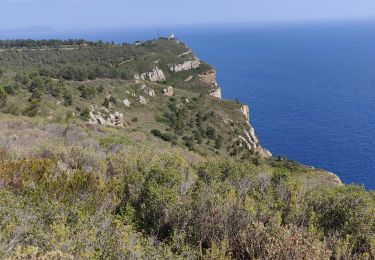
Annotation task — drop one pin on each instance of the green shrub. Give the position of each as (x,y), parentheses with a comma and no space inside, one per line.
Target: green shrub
(68,99)
(219,142)
(168,137)
(33,109)
(113,100)
(106,103)
(156,132)
(3,97)
(211,132)
(85,114)
(9,89)
(87,92)
(112,140)
(100,88)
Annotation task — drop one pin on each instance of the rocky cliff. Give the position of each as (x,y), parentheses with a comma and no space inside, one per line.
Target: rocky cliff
(155,85)
(187,65)
(192,68)
(155,75)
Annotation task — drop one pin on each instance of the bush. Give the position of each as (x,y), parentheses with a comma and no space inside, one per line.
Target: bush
(211,132)
(113,100)
(3,97)
(9,89)
(100,88)
(189,144)
(56,90)
(85,114)
(106,103)
(87,92)
(68,99)
(168,137)
(219,142)
(33,109)
(197,136)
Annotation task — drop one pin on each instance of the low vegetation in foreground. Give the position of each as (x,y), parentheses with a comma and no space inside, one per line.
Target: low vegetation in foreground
(180,176)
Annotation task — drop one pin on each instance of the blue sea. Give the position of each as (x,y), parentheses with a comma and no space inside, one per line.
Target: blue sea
(310,87)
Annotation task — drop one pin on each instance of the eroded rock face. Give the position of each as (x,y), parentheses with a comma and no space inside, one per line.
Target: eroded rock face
(168,91)
(249,139)
(216,93)
(155,75)
(251,142)
(115,119)
(336,179)
(245,110)
(208,77)
(187,65)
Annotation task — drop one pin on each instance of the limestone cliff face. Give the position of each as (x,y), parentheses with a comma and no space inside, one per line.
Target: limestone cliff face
(248,138)
(216,92)
(335,179)
(155,75)
(209,77)
(187,65)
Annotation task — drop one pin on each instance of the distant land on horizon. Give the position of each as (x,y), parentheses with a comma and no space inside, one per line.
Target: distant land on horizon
(45,32)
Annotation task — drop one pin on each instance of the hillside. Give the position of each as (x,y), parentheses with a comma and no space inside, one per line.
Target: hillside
(123,151)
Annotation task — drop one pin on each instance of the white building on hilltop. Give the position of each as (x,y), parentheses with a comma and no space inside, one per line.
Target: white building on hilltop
(171,36)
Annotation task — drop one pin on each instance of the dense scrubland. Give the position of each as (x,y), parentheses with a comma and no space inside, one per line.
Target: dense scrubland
(174,182)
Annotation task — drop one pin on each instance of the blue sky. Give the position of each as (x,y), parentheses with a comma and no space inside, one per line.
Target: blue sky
(64,14)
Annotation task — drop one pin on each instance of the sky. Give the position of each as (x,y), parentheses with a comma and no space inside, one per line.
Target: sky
(65,14)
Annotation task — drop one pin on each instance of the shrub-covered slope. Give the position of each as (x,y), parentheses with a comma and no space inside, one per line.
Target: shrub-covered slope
(101,159)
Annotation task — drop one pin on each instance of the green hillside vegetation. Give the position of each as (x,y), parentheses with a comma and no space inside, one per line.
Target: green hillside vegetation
(175,181)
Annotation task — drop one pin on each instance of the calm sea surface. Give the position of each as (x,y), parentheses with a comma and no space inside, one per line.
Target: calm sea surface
(310,88)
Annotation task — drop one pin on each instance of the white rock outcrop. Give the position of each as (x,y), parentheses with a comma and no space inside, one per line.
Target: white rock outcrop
(168,91)
(189,78)
(187,65)
(150,92)
(155,75)
(246,111)
(249,139)
(115,119)
(185,53)
(126,102)
(216,93)
(142,100)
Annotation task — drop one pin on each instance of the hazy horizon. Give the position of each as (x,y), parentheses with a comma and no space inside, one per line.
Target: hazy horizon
(94,14)
(150,32)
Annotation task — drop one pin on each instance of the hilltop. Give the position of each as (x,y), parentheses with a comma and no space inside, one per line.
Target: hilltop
(156,85)
(112,151)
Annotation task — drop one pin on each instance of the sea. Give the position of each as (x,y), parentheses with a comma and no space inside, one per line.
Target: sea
(310,86)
